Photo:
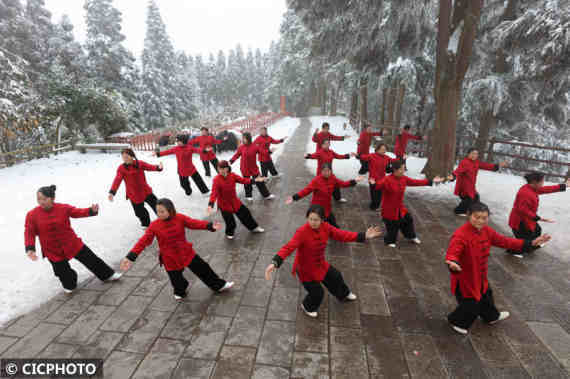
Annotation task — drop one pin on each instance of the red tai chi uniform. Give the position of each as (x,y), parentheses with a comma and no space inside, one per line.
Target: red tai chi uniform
(267,165)
(185,167)
(248,166)
(465,187)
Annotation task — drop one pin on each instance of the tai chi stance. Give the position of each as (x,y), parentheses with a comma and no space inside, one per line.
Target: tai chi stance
(137,189)
(50,222)
(224,193)
(402,140)
(175,252)
(524,219)
(207,155)
(326,155)
(264,141)
(322,187)
(379,164)
(248,166)
(363,149)
(325,135)
(186,168)
(310,241)
(395,215)
(468,260)
(466,175)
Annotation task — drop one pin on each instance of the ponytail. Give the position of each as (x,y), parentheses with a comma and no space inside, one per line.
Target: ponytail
(48,191)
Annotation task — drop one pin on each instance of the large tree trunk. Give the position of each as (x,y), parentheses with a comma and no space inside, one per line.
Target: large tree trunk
(363,102)
(450,73)
(400,101)
(383,109)
(323,97)
(354,107)
(334,99)
(486,124)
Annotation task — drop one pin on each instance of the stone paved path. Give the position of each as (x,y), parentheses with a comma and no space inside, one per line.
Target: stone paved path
(395,330)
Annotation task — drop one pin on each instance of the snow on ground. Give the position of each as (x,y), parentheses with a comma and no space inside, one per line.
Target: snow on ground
(497,190)
(81,180)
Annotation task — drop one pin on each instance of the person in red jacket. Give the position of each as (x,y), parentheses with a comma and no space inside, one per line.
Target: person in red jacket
(468,261)
(322,187)
(310,241)
(379,164)
(207,155)
(396,216)
(264,141)
(524,219)
(248,153)
(326,155)
(363,143)
(325,135)
(466,175)
(175,252)
(50,222)
(402,140)
(137,189)
(186,168)
(224,193)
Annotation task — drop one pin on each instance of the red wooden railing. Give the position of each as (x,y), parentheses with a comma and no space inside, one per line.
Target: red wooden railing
(149,141)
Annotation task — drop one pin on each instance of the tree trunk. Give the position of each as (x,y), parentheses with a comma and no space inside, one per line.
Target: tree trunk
(383,109)
(510,13)
(363,102)
(486,124)
(399,103)
(334,99)
(354,107)
(323,97)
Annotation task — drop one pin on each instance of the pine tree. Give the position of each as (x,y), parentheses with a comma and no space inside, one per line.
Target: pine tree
(221,97)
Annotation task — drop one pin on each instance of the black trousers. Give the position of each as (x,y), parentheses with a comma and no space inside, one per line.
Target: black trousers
(197,178)
(141,211)
(68,277)
(268,167)
(469,309)
(335,284)
(465,204)
(206,164)
(336,194)
(363,167)
(405,224)
(331,220)
(375,197)
(244,215)
(526,234)
(260,186)
(202,270)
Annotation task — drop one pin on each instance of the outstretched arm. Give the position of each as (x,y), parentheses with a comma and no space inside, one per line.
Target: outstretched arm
(341,156)
(82,212)
(150,167)
(30,233)
(192,223)
(345,235)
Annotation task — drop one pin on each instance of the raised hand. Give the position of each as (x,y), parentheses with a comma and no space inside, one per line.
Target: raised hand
(161,166)
(453,266)
(289,200)
(217,225)
(449,178)
(359,178)
(125,264)
(353,154)
(32,255)
(307,156)
(371,180)
(437,179)
(95,208)
(504,164)
(373,232)
(269,270)
(547,220)
(260,179)
(541,240)
(111,196)
(209,210)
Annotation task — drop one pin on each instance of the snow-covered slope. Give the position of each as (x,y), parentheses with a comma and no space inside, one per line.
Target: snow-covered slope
(82,180)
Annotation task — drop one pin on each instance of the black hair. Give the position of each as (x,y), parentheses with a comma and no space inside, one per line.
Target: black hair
(247,136)
(478,207)
(316,208)
(326,125)
(326,165)
(534,177)
(471,149)
(379,145)
(182,138)
(48,191)
(204,128)
(406,127)
(396,165)
(168,204)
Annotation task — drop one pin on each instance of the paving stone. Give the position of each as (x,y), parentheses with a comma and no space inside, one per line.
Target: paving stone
(539,362)
(283,305)
(491,347)
(459,357)
(345,364)
(58,351)
(6,342)
(277,340)
(270,372)
(99,346)
(121,364)
(144,331)
(189,368)
(423,357)
(35,341)
(311,334)
(74,307)
(556,339)
(165,300)
(145,264)
(407,315)
(372,299)
(119,291)
(208,337)
(82,328)
(235,362)
(161,361)
(310,365)
(507,372)
(184,320)
(386,359)
(152,284)
(257,293)
(126,314)
(246,327)
(226,304)
(26,323)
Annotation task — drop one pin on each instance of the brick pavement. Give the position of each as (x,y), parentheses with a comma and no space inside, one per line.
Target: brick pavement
(396,329)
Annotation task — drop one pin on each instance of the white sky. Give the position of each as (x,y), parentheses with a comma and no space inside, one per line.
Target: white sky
(195,26)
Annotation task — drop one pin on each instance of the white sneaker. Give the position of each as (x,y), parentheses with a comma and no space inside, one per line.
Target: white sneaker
(310,314)
(461,214)
(415,240)
(229,237)
(350,297)
(114,277)
(270,197)
(458,329)
(259,229)
(178,298)
(250,199)
(144,227)
(67,291)
(342,200)
(392,244)
(503,315)
(226,286)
